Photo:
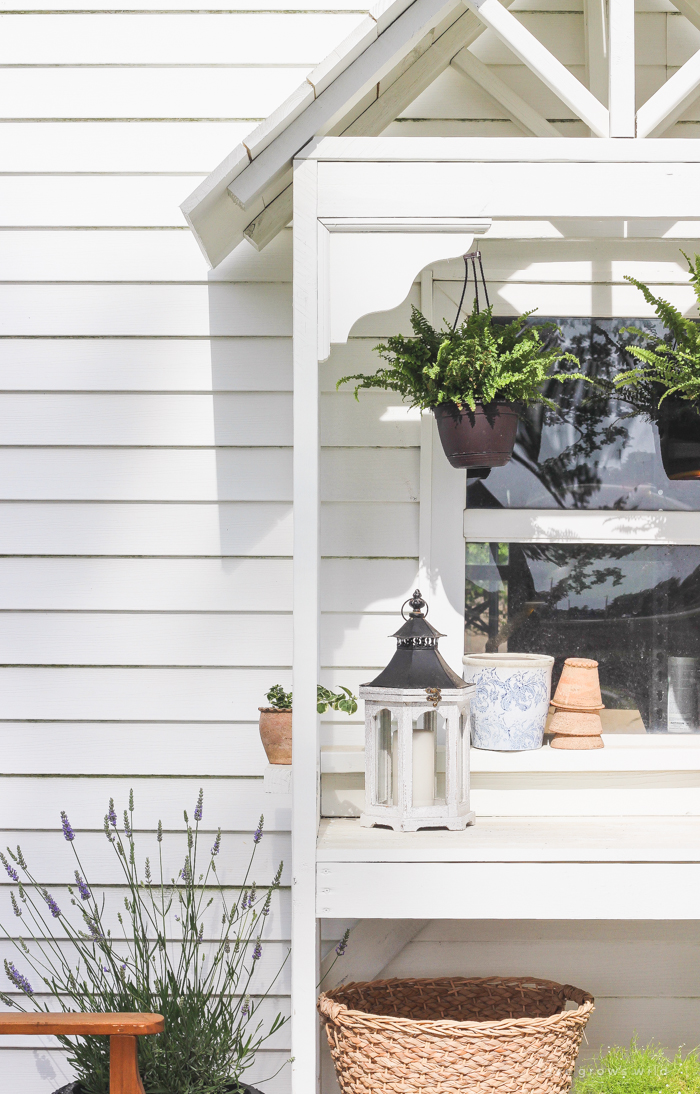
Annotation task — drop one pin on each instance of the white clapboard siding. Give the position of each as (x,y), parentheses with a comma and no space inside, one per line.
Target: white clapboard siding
(139,750)
(192,474)
(118,146)
(52,861)
(376,418)
(227,805)
(138,364)
(207,92)
(207,529)
(162,310)
(171,638)
(560,32)
(139,638)
(197,584)
(144,201)
(369,529)
(239,420)
(166,255)
(181,38)
(160,584)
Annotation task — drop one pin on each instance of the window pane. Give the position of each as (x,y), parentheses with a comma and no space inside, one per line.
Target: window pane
(635,610)
(590,455)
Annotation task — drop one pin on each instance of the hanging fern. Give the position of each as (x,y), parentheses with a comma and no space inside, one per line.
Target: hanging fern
(666,367)
(477,362)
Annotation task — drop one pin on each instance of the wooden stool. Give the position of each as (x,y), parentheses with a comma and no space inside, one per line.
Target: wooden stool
(122,1030)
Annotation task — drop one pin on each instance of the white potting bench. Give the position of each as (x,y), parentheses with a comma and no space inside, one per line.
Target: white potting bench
(369,215)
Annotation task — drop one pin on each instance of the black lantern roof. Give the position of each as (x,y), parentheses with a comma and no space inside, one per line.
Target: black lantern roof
(417,663)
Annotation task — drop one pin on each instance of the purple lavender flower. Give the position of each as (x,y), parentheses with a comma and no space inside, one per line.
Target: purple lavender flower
(53,906)
(16,978)
(93,927)
(15,906)
(82,887)
(160,832)
(266,905)
(343,944)
(199,808)
(245,1009)
(127,826)
(217,844)
(10,869)
(68,832)
(111,813)
(258,834)
(257,952)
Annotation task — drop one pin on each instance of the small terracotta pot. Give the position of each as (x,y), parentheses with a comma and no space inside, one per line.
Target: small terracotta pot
(276,734)
(579,687)
(567,723)
(480,438)
(574,743)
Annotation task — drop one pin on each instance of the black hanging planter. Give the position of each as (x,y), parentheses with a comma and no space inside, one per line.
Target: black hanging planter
(483,437)
(679,433)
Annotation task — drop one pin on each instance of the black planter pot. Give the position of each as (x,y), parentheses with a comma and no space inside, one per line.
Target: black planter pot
(77,1088)
(478,438)
(679,434)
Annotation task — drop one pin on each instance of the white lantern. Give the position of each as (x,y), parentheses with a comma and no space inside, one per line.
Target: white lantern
(417,735)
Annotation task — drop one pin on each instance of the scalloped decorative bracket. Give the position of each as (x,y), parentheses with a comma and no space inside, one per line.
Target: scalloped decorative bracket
(368,265)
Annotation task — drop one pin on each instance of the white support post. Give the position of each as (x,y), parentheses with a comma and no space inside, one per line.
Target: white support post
(621,81)
(305,744)
(595,13)
(671,100)
(426,457)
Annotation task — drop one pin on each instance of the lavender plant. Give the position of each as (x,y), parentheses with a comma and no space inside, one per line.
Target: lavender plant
(161,961)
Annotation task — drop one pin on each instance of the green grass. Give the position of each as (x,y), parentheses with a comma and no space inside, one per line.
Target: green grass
(636,1070)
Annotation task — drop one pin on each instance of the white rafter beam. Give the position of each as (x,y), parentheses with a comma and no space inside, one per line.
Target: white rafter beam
(690,9)
(671,100)
(621,84)
(525,116)
(391,102)
(544,64)
(595,17)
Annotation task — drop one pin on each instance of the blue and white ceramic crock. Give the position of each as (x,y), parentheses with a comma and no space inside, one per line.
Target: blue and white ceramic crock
(510,707)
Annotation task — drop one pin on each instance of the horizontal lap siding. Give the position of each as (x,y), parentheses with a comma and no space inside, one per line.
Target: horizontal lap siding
(145,467)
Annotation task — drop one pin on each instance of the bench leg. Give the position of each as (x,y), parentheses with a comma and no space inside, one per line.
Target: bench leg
(124,1075)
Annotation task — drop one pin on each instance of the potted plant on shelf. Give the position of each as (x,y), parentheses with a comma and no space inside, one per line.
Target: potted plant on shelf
(276,719)
(187,947)
(664,384)
(474,377)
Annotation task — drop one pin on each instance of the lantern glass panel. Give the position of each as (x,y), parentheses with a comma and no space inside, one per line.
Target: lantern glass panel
(428,737)
(386,728)
(464,740)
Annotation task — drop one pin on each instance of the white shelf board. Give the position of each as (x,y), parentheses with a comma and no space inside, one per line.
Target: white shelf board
(628,752)
(513,868)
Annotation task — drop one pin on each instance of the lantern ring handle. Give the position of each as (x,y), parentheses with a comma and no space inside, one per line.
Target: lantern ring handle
(417,602)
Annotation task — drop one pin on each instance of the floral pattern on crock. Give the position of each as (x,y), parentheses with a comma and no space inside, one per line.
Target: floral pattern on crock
(502,698)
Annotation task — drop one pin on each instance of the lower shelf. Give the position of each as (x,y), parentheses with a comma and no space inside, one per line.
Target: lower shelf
(513,868)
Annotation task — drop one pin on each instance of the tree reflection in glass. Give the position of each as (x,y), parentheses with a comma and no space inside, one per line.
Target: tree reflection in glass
(635,610)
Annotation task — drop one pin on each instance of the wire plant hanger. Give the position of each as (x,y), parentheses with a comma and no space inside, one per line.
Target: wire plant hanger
(473,257)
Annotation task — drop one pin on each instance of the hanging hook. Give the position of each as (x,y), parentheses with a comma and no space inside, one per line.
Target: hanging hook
(472,257)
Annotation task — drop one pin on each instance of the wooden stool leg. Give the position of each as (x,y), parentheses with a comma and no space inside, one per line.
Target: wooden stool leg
(124,1075)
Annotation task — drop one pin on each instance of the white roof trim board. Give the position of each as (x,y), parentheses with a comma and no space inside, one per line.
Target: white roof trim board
(231,197)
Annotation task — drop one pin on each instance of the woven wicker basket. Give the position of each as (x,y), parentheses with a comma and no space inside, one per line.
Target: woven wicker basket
(491,1035)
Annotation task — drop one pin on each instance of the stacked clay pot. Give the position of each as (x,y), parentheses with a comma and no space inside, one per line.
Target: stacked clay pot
(577,702)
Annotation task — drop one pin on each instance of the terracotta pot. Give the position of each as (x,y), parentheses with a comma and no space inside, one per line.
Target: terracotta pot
(566,723)
(577,743)
(276,734)
(579,687)
(679,434)
(480,438)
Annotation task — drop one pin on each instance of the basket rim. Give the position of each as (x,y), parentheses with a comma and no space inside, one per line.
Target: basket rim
(582,1011)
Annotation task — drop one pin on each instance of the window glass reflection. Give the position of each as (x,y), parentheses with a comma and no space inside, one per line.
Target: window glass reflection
(590,454)
(635,610)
